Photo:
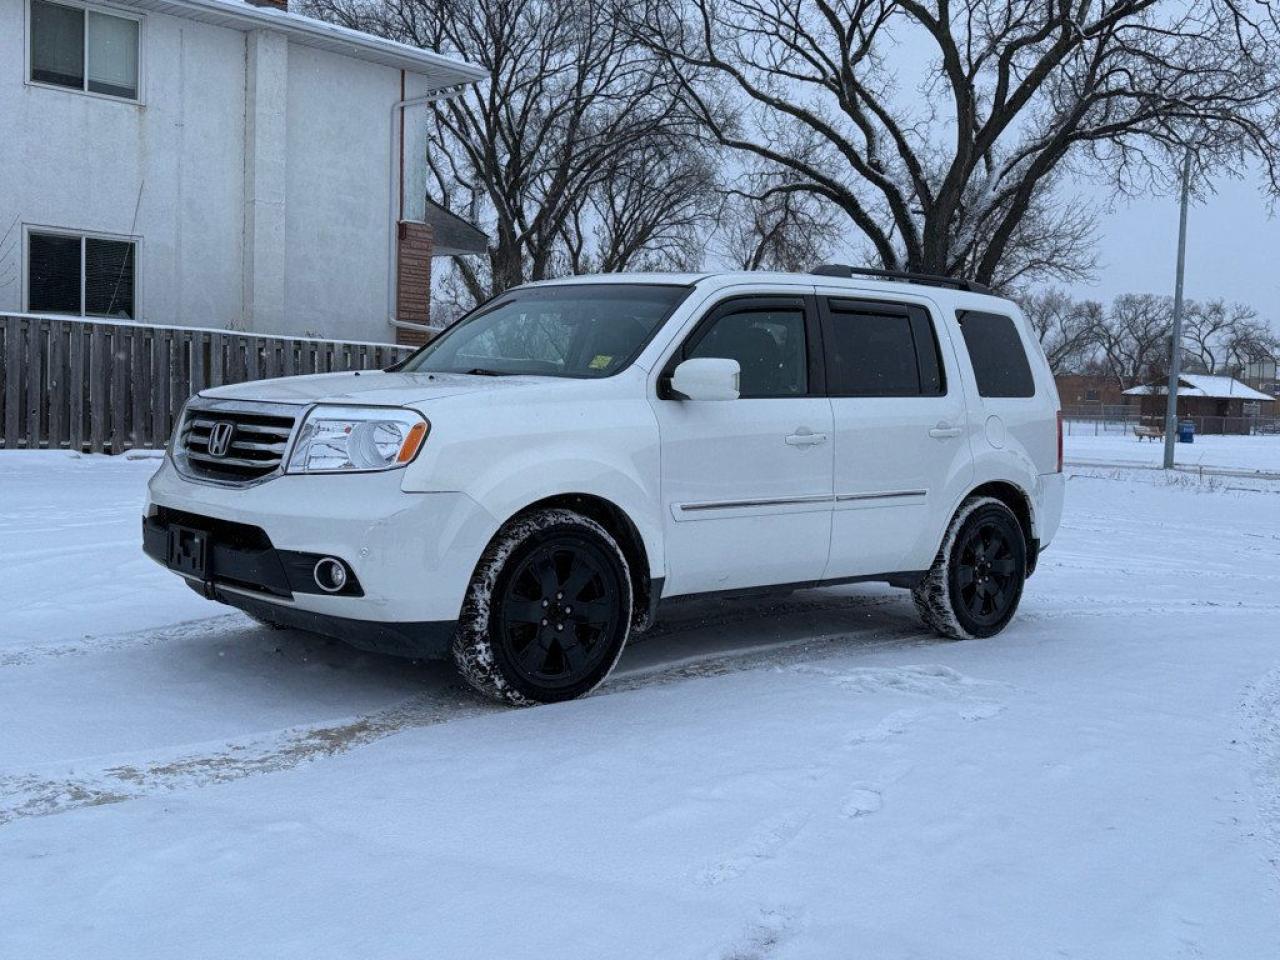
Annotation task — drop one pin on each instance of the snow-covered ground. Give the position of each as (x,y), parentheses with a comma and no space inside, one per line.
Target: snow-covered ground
(814,777)
(1252,454)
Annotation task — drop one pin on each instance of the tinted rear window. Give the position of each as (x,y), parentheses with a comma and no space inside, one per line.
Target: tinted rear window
(995,350)
(877,350)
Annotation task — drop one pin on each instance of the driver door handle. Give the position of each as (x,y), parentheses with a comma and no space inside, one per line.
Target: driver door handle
(804,437)
(944,430)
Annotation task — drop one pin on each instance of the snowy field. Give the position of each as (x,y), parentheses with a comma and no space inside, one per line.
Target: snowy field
(814,777)
(1236,454)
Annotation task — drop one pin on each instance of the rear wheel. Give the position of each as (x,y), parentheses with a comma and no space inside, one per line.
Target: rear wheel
(974,586)
(547,612)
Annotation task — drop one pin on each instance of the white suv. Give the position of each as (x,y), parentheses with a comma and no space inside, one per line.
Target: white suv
(526,489)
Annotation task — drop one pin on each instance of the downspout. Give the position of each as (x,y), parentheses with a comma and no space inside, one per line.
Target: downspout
(395,192)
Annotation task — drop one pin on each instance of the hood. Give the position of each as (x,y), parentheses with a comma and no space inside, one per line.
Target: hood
(374,387)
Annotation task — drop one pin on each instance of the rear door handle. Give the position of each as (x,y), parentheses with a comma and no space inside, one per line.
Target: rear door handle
(805,437)
(944,430)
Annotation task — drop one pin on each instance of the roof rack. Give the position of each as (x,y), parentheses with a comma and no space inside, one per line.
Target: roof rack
(929,279)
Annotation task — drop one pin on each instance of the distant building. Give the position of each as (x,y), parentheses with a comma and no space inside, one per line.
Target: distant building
(1219,404)
(1085,391)
(217,163)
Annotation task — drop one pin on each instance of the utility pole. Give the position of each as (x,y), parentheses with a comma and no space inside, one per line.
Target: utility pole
(1175,341)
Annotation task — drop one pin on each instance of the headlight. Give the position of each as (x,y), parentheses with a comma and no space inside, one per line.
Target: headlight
(347,439)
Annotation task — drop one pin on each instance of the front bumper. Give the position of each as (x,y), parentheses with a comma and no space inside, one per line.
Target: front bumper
(411,555)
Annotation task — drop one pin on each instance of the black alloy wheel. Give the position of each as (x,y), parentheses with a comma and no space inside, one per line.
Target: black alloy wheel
(556,612)
(987,571)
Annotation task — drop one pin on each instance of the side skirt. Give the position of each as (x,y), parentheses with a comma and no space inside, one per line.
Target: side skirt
(906,579)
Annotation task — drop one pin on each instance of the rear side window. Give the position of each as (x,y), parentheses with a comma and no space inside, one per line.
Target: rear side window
(881,350)
(995,350)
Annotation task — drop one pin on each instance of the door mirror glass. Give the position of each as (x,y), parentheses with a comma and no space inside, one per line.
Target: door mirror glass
(706,378)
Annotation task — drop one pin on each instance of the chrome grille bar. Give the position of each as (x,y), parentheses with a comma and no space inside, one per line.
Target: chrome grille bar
(260,435)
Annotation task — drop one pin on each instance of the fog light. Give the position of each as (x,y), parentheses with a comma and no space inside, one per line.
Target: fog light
(330,575)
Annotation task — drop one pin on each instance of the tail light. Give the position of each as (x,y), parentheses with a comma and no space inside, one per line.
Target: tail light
(1059,441)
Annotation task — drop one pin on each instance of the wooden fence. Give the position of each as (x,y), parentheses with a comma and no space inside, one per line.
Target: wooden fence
(106,386)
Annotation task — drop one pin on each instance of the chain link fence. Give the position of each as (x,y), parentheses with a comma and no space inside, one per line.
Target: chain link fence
(1121,420)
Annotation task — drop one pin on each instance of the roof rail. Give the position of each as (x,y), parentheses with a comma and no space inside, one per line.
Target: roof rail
(929,279)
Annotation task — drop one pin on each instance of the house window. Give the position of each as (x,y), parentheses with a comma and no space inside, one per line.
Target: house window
(80,275)
(84,49)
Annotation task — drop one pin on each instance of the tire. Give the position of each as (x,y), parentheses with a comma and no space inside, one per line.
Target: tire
(975,584)
(547,612)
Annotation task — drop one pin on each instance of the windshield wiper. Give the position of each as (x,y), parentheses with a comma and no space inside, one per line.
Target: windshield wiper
(482,372)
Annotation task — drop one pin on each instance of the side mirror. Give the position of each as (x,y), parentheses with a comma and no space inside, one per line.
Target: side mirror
(706,378)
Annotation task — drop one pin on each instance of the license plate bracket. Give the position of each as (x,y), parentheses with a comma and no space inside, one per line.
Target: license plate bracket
(189,552)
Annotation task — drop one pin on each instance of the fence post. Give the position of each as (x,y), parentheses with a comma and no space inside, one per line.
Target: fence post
(75,431)
(35,381)
(119,389)
(57,383)
(140,385)
(97,388)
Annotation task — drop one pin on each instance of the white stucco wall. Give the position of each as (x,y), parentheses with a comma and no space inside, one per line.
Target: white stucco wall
(83,162)
(289,237)
(338,185)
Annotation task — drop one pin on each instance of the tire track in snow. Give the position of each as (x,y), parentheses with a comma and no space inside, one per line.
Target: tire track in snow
(110,643)
(34,794)
(1261,734)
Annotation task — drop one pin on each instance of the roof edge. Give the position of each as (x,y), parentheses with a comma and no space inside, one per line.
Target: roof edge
(414,59)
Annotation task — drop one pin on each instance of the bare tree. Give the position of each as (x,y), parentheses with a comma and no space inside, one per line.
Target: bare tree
(1068,329)
(1133,337)
(958,176)
(571,132)
(776,227)
(1252,341)
(648,210)
(1223,338)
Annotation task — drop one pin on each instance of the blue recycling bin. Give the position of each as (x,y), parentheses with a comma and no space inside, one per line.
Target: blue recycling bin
(1186,431)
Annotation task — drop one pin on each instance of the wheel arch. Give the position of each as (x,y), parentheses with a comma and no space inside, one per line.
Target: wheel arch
(1019,502)
(623,529)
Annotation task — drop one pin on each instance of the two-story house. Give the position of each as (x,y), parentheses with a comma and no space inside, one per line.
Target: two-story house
(218,163)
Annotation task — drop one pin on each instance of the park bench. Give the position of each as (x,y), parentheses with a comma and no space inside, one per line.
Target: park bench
(1149,431)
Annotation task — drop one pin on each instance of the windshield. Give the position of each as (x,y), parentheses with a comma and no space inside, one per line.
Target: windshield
(585,330)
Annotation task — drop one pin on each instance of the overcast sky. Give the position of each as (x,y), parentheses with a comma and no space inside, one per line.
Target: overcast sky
(1233,249)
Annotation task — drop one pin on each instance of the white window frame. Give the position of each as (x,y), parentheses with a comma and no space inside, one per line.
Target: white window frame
(82,235)
(84,90)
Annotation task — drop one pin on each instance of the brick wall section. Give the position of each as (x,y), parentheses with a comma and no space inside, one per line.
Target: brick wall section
(277,4)
(413,280)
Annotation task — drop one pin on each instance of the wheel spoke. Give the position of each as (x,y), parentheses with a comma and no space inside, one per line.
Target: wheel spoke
(592,612)
(524,611)
(534,656)
(1004,566)
(544,569)
(575,654)
(964,576)
(580,574)
(975,602)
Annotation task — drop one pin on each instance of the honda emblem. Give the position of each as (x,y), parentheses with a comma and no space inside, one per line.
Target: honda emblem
(220,438)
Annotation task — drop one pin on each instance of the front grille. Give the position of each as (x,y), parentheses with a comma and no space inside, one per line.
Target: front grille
(235,442)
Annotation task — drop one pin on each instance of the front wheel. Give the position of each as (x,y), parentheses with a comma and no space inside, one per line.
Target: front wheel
(974,586)
(548,610)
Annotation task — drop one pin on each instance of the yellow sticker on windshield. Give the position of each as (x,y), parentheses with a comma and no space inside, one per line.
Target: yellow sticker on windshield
(600,361)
